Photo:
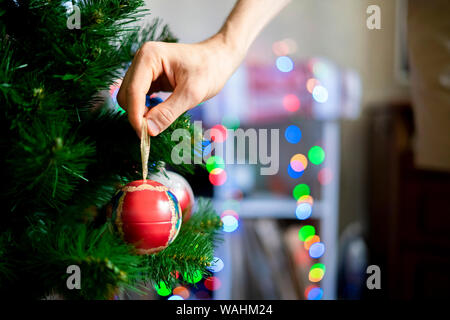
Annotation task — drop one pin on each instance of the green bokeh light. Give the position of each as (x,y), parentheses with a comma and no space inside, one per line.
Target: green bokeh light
(316,274)
(301,190)
(305,232)
(214,162)
(231,122)
(162,289)
(316,155)
(193,278)
(318,266)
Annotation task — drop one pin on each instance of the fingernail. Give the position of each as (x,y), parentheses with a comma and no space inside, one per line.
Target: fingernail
(154,130)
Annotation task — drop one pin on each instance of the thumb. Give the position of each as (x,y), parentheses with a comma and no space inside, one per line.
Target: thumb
(164,114)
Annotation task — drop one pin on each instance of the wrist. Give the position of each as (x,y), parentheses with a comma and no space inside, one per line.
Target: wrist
(233,41)
(229,46)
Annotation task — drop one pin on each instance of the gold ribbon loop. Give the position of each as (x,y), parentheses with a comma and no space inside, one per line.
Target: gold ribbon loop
(145,149)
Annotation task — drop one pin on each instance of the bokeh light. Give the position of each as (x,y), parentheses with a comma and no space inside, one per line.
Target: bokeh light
(284,47)
(307,199)
(182,292)
(231,122)
(303,211)
(310,241)
(212,283)
(291,44)
(320,94)
(217,177)
(230,223)
(317,272)
(280,48)
(318,266)
(299,162)
(206,148)
(193,278)
(291,102)
(325,176)
(284,64)
(175,297)
(311,83)
(308,289)
(305,232)
(300,190)
(317,250)
(229,212)
(214,162)
(294,174)
(162,289)
(316,275)
(218,133)
(315,293)
(297,166)
(293,134)
(316,155)
(216,265)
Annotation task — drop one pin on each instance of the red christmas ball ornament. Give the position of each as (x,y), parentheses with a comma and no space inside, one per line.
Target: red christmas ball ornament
(147,215)
(180,187)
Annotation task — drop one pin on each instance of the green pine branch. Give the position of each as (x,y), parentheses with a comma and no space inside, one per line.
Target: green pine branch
(191,252)
(64,154)
(108,265)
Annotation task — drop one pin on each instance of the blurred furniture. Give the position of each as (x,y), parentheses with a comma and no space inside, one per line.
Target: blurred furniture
(409,212)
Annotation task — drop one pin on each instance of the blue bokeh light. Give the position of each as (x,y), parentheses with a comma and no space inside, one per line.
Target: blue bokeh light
(203,148)
(303,211)
(216,265)
(293,134)
(230,223)
(315,294)
(206,147)
(316,250)
(284,64)
(320,94)
(294,174)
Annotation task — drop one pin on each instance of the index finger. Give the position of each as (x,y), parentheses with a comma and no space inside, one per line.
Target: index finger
(137,86)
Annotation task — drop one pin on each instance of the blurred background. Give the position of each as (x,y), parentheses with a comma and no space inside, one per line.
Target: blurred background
(349,192)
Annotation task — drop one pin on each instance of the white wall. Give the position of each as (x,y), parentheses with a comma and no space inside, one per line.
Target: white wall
(332,28)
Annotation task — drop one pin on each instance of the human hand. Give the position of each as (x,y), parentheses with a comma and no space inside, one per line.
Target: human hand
(193,72)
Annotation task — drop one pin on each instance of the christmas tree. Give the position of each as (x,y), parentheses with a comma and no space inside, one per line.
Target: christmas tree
(65,154)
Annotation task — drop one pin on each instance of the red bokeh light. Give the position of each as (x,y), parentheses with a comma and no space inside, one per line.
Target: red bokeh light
(212,283)
(218,133)
(291,102)
(325,176)
(218,177)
